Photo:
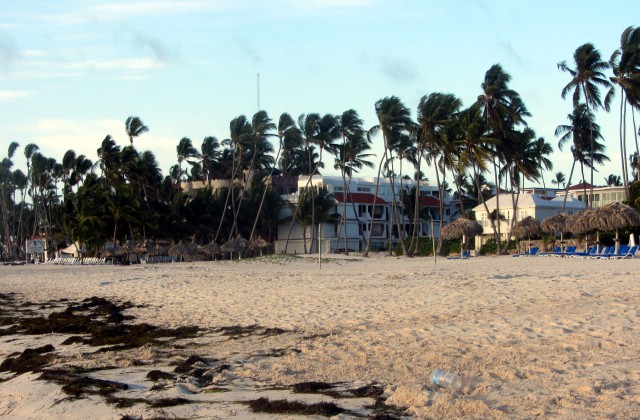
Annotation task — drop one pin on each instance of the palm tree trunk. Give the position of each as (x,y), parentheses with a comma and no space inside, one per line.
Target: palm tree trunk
(484,203)
(499,236)
(355,212)
(416,208)
(568,184)
(264,193)
(373,207)
(396,212)
(590,198)
(229,193)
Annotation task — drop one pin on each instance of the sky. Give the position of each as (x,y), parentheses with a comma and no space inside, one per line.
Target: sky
(72,71)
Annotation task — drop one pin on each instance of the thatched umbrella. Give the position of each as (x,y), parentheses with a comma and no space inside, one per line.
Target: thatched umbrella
(529,226)
(615,216)
(211,248)
(555,224)
(585,223)
(237,245)
(461,228)
(259,244)
(178,250)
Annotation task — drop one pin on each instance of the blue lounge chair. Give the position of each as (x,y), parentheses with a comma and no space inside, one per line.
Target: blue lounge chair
(464,256)
(528,253)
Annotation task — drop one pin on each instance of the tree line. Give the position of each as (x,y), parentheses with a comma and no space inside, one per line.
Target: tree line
(124,196)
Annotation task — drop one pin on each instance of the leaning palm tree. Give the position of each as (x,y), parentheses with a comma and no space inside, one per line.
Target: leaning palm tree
(135,127)
(504,110)
(186,151)
(393,121)
(625,64)
(209,157)
(580,131)
(287,131)
(586,78)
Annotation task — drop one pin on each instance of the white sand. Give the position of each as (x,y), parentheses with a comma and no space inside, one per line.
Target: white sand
(530,337)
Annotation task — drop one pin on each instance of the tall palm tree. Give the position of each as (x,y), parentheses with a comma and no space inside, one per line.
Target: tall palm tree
(504,110)
(586,78)
(542,149)
(625,64)
(394,121)
(580,130)
(434,112)
(186,151)
(286,129)
(135,127)
(210,158)
(559,180)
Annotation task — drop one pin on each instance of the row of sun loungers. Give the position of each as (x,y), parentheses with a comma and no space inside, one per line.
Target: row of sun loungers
(76,261)
(595,252)
(464,256)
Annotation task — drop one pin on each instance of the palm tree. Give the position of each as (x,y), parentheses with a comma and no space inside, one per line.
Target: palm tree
(586,78)
(394,121)
(580,131)
(186,151)
(542,149)
(109,160)
(504,110)
(434,112)
(625,64)
(135,127)
(613,180)
(210,158)
(286,130)
(559,180)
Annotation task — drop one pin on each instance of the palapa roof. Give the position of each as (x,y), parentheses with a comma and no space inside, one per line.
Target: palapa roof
(528,226)
(461,227)
(557,223)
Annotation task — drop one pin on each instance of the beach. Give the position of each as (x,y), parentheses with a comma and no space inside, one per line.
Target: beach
(530,337)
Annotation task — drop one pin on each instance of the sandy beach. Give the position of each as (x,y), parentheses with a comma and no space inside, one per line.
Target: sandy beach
(530,337)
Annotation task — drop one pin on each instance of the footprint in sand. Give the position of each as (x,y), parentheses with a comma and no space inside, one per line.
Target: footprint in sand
(8,403)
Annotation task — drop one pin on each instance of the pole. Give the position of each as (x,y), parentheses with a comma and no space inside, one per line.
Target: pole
(319,247)
(433,243)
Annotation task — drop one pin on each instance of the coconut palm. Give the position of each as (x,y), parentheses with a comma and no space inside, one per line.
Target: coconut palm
(580,131)
(613,180)
(504,110)
(394,121)
(625,64)
(559,180)
(186,151)
(135,127)
(586,78)
(286,130)
(210,158)
(541,149)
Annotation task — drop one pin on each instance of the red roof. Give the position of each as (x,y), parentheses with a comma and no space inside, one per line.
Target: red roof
(580,186)
(358,198)
(429,201)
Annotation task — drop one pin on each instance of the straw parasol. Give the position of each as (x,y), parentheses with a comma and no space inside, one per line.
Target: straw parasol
(211,248)
(615,216)
(529,226)
(177,250)
(555,224)
(259,244)
(461,228)
(236,245)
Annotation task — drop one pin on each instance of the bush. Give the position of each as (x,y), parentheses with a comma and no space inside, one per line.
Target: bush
(425,247)
(489,248)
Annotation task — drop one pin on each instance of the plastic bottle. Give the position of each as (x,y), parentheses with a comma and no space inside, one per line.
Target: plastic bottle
(447,380)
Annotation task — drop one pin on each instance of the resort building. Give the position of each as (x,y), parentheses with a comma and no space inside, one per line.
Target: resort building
(360,205)
(537,206)
(601,195)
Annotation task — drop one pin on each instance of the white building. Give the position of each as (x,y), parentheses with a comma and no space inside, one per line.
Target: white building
(360,201)
(537,206)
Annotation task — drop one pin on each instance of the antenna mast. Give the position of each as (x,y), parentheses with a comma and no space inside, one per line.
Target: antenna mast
(258,89)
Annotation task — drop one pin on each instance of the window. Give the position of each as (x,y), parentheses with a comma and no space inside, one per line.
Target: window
(364,189)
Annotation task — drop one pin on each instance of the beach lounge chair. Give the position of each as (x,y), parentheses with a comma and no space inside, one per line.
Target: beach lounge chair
(528,253)
(624,251)
(590,252)
(465,256)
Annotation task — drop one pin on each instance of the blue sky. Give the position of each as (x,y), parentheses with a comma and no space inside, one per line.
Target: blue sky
(72,71)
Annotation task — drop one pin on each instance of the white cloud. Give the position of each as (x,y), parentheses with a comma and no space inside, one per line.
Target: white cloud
(125,64)
(7,95)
